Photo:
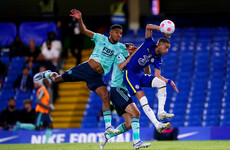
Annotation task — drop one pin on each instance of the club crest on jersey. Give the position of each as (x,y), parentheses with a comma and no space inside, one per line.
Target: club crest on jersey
(137,86)
(107,51)
(152,60)
(143,61)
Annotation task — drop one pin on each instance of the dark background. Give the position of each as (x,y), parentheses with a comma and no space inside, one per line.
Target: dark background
(97,12)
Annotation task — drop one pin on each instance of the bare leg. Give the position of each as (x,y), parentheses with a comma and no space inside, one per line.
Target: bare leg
(132,110)
(139,94)
(128,119)
(104,95)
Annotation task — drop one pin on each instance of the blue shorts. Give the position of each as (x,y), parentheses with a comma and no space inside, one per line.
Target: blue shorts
(120,99)
(134,81)
(84,72)
(43,119)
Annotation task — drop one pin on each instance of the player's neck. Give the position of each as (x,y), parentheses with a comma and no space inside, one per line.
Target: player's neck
(111,40)
(156,51)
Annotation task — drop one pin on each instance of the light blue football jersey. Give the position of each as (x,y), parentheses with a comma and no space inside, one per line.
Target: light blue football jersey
(105,52)
(117,74)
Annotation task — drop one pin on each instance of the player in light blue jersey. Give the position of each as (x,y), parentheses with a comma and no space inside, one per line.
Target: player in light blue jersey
(105,51)
(134,78)
(123,103)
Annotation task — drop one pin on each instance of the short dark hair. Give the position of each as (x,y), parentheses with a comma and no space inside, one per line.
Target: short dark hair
(27,101)
(11,99)
(26,67)
(128,44)
(163,40)
(115,26)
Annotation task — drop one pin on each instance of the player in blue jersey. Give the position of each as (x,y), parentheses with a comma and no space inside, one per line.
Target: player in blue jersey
(100,62)
(123,103)
(134,78)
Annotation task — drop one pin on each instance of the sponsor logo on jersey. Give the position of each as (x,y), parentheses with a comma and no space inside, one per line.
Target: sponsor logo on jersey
(143,61)
(108,52)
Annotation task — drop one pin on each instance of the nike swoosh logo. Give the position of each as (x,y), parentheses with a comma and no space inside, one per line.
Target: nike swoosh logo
(186,135)
(8,138)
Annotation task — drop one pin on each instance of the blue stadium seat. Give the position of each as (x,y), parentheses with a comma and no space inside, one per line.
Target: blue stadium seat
(129,37)
(6,94)
(36,30)
(5,60)
(8,32)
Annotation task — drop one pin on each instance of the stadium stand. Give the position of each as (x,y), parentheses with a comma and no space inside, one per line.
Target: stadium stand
(198,62)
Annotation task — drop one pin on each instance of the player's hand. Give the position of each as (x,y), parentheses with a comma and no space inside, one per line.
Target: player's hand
(75,13)
(174,86)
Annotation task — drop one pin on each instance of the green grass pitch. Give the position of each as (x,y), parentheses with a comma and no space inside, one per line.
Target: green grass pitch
(155,145)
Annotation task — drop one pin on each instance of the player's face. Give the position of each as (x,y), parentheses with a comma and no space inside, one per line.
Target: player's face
(163,48)
(115,35)
(132,49)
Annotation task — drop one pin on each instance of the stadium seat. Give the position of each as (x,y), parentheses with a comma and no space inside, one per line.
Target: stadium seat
(36,31)
(8,32)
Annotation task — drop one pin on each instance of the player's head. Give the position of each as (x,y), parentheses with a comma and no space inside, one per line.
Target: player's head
(115,33)
(163,46)
(131,48)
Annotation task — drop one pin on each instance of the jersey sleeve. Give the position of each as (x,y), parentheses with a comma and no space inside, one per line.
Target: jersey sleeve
(97,37)
(158,63)
(120,58)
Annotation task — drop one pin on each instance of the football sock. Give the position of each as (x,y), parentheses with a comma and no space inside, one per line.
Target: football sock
(48,134)
(136,129)
(161,95)
(161,99)
(122,129)
(148,111)
(27,126)
(107,118)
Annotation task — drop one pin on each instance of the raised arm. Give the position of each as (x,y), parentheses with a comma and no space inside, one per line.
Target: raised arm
(77,14)
(158,74)
(149,28)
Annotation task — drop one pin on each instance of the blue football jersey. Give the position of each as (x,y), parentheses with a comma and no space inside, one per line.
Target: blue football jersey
(144,56)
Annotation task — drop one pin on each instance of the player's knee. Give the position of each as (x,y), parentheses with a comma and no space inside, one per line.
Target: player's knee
(156,82)
(136,114)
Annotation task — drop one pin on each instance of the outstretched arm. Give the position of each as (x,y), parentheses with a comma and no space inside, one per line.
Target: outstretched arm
(149,28)
(158,74)
(77,14)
